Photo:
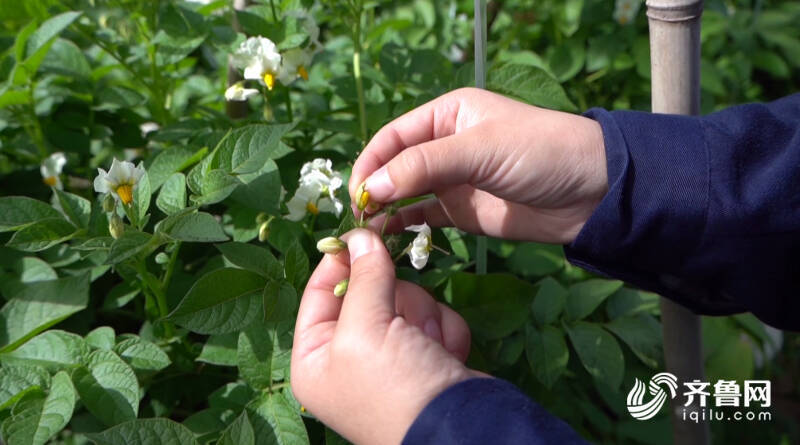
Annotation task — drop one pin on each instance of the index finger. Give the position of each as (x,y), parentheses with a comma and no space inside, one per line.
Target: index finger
(436,119)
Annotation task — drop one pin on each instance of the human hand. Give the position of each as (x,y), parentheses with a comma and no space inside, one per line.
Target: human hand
(368,363)
(497,167)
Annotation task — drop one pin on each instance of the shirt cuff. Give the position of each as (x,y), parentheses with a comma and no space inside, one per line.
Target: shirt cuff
(654,215)
(487,410)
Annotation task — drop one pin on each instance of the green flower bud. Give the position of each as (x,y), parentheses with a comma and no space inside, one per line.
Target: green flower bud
(109,204)
(116,227)
(331,245)
(162,258)
(341,288)
(263,231)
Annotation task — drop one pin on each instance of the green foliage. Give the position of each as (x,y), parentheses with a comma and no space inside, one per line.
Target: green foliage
(186,313)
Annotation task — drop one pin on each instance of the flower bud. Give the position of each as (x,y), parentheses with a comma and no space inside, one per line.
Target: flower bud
(331,245)
(341,288)
(362,196)
(263,231)
(116,227)
(109,204)
(162,258)
(261,218)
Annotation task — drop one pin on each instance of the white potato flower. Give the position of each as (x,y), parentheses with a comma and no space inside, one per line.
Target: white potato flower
(237,92)
(294,64)
(120,180)
(625,10)
(317,191)
(51,170)
(260,59)
(420,249)
(148,127)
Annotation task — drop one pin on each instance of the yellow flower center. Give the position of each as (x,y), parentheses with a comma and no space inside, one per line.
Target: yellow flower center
(269,80)
(50,180)
(312,208)
(125,193)
(623,20)
(301,70)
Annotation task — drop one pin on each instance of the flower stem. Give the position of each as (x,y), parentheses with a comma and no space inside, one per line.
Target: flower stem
(161,298)
(287,98)
(362,114)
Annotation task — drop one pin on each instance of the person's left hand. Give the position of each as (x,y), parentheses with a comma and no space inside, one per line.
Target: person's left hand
(368,363)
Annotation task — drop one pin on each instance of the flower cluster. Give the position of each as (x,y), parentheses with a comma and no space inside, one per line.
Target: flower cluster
(625,10)
(261,61)
(316,191)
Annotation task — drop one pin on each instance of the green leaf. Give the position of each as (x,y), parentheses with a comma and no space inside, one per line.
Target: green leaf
(246,149)
(126,246)
(37,418)
(263,353)
(529,84)
(120,295)
(599,352)
(296,265)
(16,381)
(275,422)
(627,301)
(167,163)
(101,338)
(221,301)
(156,431)
(584,297)
(108,387)
(547,353)
(65,58)
(42,235)
(260,190)
(240,432)
(567,59)
(172,197)
(494,305)
(533,259)
(48,30)
(141,354)
(77,209)
(193,227)
(39,306)
(280,301)
(253,258)
(220,349)
(642,333)
(549,301)
(53,350)
(141,197)
(19,211)
(772,63)
(216,185)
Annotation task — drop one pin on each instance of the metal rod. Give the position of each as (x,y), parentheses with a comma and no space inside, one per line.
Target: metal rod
(675,79)
(480,82)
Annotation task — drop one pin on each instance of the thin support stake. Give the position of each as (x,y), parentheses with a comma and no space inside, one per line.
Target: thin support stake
(480,82)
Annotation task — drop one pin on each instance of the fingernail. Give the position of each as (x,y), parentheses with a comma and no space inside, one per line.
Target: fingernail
(380,185)
(432,329)
(359,244)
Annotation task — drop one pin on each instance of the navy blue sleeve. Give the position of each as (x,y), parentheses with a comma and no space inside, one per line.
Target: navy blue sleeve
(487,411)
(703,210)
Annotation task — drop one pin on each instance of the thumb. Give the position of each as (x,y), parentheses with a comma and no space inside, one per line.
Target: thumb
(424,168)
(370,293)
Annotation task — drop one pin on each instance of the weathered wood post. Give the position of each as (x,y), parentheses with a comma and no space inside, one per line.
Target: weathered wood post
(235,109)
(480,82)
(675,65)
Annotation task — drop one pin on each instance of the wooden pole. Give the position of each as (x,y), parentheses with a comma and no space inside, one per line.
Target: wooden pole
(480,82)
(675,76)
(236,109)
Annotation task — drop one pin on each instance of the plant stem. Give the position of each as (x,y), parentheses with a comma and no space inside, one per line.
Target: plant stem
(170,266)
(161,298)
(274,14)
(288,99)
(362,113)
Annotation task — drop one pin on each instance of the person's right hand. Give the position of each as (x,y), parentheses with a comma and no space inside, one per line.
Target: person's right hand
(497,167)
